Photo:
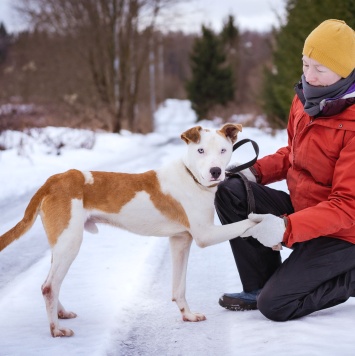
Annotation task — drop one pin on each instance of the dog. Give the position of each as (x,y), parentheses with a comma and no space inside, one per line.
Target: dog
(176,201)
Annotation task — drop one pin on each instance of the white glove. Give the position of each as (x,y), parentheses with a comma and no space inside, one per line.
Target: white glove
(269,231)
(247,172)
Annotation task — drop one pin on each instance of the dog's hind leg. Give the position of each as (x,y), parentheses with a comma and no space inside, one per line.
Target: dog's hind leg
(180,249)
(63,254)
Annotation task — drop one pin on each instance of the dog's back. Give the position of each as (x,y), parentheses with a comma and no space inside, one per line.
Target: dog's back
(118,199)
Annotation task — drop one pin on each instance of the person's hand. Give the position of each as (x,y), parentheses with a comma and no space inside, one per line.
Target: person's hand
(247,172)
(269,230)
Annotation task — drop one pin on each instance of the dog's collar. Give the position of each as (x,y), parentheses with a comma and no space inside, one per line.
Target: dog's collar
(195,179)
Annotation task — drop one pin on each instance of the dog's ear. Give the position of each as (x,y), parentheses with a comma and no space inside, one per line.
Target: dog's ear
(192,135)
(231,131)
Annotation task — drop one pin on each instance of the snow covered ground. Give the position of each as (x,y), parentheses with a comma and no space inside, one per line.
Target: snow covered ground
(120,284)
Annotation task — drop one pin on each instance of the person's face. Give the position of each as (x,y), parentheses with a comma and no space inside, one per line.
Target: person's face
(318,75)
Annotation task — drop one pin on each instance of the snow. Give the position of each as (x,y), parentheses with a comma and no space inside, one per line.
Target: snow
(120,283)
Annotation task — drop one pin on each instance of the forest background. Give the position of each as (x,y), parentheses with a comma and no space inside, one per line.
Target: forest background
(109,64)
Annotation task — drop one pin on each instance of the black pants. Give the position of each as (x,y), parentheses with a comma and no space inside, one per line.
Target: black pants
(318,274)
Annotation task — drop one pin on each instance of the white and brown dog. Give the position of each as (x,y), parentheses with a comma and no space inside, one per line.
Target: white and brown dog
(175,201)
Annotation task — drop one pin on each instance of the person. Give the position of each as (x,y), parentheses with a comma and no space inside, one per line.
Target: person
(316,219)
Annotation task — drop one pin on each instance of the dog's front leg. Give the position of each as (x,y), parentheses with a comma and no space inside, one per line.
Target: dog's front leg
(207,235)
(180,249)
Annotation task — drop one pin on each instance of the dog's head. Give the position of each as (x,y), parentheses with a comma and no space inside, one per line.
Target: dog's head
(209,151)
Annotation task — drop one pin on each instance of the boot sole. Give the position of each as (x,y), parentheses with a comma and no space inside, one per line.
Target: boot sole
(241,306)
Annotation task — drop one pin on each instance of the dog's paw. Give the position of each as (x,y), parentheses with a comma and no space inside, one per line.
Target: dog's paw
(193,317)
(246,225)
(61,332)
(63,314)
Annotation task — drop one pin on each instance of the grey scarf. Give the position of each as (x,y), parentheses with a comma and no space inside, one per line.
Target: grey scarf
(314,95)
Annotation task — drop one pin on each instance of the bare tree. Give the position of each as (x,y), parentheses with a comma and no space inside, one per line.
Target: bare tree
(113,36)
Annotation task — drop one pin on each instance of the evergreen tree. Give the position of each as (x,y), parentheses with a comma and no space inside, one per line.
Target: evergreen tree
(302,16)
(4,42)
(3,32)
(212,80)
(230,38)
(230,34)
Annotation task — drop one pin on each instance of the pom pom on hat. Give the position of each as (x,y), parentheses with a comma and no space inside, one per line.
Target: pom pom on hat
(332,44)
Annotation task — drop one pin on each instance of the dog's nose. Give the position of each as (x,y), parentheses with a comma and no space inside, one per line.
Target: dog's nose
(215,172)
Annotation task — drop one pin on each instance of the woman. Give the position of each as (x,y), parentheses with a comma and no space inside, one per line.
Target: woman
(317,218)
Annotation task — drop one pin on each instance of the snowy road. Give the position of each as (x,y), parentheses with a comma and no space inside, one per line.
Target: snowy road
(120,287)
(123,300)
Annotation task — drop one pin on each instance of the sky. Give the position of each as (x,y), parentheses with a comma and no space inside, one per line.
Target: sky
(258,15)
(120,283)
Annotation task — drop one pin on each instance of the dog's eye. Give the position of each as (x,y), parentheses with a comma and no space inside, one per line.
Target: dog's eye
(201,150)
(223,150)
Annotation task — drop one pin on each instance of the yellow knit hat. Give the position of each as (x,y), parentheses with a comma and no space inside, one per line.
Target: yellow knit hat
(332,44)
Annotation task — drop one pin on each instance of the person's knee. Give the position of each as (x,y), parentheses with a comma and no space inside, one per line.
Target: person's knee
(268,306)
(229,189)
(225,187)
(230,201)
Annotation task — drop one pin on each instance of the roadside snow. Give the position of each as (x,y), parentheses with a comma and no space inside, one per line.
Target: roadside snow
(120,283)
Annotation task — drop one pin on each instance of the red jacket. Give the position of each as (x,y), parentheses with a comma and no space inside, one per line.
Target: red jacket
(319,165)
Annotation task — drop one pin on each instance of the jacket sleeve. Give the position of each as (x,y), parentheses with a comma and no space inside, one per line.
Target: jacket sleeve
(335,216)
(274,167)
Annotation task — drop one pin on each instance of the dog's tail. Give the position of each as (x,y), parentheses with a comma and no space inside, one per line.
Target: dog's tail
(27,221)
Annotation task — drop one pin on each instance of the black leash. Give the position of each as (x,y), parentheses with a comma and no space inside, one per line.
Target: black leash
(234,172)
(247,164)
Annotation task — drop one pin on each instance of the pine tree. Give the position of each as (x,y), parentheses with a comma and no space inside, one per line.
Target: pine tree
(230,38)
(230,34)
(302,16)
(4,42)
(212,80)
(3,32)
